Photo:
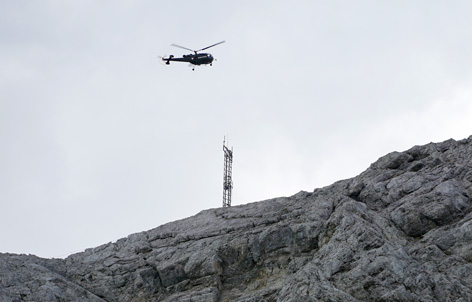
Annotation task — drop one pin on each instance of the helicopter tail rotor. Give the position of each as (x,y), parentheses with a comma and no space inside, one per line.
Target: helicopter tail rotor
(165,59)
(161,59)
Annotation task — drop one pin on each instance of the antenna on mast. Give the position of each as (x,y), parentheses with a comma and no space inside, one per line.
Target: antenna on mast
(227,178)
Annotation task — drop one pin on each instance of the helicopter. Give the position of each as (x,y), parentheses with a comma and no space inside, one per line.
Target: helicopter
(195,59)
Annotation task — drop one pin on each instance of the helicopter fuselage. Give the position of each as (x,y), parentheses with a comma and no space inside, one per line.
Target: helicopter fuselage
(195,59)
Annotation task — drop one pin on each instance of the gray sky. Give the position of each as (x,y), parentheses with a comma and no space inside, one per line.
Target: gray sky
(100,140)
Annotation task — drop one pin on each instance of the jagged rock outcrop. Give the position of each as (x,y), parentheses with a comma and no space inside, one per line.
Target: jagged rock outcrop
(400,231)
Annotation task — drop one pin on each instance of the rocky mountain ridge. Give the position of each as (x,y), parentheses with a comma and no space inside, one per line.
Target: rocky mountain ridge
(399,231)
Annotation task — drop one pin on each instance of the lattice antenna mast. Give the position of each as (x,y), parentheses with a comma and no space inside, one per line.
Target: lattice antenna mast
(227,178)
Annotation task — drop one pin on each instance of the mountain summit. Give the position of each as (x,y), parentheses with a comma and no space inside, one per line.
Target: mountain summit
(400,231)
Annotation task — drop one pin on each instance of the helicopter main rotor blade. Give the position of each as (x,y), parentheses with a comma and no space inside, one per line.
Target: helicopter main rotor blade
(211,46)
(175,45)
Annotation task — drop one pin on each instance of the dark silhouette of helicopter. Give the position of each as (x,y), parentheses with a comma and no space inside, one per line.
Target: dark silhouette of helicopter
(195,59)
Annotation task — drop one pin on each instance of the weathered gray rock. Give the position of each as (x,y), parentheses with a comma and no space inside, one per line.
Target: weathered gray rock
(29,278)
(400,231)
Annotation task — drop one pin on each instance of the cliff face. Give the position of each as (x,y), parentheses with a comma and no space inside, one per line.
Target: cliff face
(400,231)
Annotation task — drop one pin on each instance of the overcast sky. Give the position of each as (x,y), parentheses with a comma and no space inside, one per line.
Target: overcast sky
(99,140)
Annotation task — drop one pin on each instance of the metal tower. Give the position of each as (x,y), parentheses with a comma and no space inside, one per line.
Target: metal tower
(227,178)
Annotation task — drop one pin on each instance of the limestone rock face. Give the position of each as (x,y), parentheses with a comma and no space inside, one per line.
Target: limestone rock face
(400,231)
